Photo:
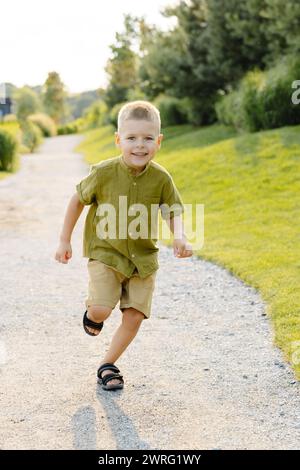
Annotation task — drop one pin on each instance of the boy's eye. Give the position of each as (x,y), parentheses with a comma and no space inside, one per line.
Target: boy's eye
(132,138)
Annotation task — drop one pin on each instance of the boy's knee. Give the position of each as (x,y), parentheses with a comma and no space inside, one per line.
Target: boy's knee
(99,313)
(132,317)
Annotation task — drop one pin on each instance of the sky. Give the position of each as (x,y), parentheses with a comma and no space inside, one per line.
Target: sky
(71,37)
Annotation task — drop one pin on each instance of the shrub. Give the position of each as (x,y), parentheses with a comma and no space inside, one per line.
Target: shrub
(240,108)
(31,135)
(251,110)
(228,110)
(27,102)
(96,115)
(275,97)
(45,123)
(263,99)
(172,110)
(113,115)
(8,147)
(10,118)
(73,127)
(200,111)
(67,129)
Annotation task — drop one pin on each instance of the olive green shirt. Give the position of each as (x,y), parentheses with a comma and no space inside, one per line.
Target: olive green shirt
(106,182)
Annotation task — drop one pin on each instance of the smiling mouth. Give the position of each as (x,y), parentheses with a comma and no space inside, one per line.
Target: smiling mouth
(139,154)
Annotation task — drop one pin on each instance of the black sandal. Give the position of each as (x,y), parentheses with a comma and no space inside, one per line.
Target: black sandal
(91,324)
(114,375)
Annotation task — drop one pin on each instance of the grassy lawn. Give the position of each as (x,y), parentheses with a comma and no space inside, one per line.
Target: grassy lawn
(250,187)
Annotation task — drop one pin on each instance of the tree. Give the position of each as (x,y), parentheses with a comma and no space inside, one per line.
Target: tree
(163,61)
(194,78)
(27,102)
(283,19)
(122,66)
(214,43)
(237,37)
(54,96)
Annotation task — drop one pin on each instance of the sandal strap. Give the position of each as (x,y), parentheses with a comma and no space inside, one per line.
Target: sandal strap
(109,377)
(107,366)
(92,324)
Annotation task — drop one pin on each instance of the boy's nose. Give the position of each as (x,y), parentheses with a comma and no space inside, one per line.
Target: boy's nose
(140,144)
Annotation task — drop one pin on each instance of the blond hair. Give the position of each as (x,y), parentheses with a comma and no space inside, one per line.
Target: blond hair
(140,110)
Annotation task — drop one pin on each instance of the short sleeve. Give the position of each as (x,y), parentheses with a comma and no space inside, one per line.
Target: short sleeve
(87,188)
(171,202)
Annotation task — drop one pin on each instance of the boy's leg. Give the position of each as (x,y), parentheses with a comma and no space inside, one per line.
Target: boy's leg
(131,322)
(138,292)
(104,291)
(97,314)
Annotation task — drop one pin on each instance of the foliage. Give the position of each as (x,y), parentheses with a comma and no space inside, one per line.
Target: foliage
(54,96)
(113,115)
(122,65)
(172,110)
(27,102)
(213,45)
(31,135)
(8,147)
(263,100)
(45,123)
(10,118)
(96,114)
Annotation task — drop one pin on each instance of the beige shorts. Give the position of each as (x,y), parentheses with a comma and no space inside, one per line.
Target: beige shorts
(107,286)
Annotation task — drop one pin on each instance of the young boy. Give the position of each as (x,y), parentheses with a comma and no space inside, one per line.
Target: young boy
(122,266)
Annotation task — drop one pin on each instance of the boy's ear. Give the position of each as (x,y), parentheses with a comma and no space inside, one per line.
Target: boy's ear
(117,138)
(159,139)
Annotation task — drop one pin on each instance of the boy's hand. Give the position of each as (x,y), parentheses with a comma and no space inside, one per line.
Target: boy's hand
(63,252)
(181,248)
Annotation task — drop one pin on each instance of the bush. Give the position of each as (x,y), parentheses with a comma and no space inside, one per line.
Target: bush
(113,115)
(31,135)
(10,118)
(251,111)
(134,94)
(275,97)
(67,129)
(45,123)
(263,99)
(96,115)
(27,102)
(73,127)
(228,110)
(172,110)
(241,108)
(8,146)
(201,111)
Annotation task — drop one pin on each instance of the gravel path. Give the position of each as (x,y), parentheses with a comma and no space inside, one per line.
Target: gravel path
(202,373)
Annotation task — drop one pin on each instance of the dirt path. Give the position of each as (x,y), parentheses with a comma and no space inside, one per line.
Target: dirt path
(201,374)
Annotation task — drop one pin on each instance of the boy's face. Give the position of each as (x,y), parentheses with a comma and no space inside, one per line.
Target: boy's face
(139,141)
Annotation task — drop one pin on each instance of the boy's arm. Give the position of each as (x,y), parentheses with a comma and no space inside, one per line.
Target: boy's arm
(172,208)
(74,209)
(181,247)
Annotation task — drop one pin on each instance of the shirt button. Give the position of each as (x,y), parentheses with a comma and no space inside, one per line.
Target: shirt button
(134,184)
(133,255)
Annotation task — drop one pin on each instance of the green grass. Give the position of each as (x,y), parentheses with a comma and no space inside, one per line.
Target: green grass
(250,187)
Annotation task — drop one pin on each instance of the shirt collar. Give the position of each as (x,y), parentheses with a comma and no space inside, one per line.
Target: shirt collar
(130,170)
